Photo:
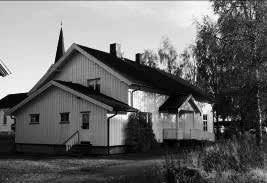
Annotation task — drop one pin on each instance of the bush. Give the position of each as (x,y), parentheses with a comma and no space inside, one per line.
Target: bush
(139,133)
(175,171)
(238,154)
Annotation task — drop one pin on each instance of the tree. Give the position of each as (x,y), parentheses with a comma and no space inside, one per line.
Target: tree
(230,58)
(187,68)
(150,58)
(168,56)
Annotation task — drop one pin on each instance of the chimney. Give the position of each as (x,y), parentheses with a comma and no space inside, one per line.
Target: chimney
(138,58)
(115,49)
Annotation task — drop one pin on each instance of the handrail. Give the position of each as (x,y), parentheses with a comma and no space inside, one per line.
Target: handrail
(71,137)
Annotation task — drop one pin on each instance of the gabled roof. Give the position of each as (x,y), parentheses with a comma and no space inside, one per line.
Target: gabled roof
(130,72)
(148,76)
(80,91)
(174,102)
(117,105)
(11,100)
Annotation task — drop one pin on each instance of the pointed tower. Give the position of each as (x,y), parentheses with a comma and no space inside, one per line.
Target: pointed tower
(60,46)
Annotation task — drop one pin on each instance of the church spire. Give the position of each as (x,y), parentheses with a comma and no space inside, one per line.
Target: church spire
(60,45)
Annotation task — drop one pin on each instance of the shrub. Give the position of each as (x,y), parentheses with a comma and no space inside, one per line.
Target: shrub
(238,154)
(139,133)
(175,171)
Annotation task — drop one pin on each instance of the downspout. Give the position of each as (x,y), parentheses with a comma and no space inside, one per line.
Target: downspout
(108,120)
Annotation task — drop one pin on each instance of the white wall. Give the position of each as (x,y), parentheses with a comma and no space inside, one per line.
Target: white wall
(150,102)
(117,129)
(79,69)
(49,105)
(5,127)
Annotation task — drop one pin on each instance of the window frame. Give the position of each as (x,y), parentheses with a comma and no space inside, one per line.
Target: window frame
(89,115)
(205,122)
(33,116)
(64,121)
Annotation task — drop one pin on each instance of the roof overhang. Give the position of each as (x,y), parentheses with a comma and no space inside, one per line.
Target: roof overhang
(53,83)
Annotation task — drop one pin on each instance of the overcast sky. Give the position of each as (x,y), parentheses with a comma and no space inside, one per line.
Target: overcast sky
(29,31)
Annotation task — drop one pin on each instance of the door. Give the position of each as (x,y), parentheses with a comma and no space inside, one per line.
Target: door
(187,119)
(85,127)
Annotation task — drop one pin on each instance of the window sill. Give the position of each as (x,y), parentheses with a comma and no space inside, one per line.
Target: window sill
(34,123)
(64,122)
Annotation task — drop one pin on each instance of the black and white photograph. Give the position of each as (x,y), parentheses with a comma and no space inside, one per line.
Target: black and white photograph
(133,91)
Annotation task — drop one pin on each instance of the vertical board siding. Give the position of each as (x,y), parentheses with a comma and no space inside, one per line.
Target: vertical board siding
(49,105)
(79,69)
(117,129)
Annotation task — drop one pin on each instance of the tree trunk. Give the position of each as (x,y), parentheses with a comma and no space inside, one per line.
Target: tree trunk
(259,115)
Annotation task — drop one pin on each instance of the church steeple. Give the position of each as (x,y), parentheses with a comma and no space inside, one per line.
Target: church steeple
(60,45)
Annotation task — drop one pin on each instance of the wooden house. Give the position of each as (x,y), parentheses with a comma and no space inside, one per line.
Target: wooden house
(86,96)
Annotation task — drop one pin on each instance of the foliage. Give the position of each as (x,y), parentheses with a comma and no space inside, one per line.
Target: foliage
(139,133)
(239,154)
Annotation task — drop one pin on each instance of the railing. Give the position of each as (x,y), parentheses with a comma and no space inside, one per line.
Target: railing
(72,140)
(179,134)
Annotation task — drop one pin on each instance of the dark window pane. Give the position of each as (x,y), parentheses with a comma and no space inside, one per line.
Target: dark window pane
(64,117)
(85,120)
(34,118)
(5,120)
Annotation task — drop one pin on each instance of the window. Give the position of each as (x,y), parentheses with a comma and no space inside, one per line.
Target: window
(5,120)
(34,118)
(85,120)
(64,117)
(94,84)
(205,122)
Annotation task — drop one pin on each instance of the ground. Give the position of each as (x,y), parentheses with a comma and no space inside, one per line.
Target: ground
(24,168)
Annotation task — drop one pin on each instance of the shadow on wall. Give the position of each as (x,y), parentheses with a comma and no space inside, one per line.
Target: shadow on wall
(7,143)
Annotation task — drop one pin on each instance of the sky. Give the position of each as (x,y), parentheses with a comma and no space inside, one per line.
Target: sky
(29,31)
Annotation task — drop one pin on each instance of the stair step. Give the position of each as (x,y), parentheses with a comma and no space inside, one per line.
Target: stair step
(83,148)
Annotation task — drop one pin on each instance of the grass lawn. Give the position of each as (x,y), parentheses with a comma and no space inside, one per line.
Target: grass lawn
(22,168)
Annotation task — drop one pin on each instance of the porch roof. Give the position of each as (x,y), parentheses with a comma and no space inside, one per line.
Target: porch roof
(115,104)
(174,102)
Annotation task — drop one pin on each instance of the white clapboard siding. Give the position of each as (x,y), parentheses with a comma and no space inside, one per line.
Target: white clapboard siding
(79,69)
(149,102)
(49,105)
(117,129)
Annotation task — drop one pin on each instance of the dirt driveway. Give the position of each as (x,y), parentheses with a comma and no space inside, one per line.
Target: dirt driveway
(72,169)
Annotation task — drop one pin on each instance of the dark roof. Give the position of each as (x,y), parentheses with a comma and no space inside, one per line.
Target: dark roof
(148,76)
(11,100)
(173,103)
(117,105)
(60,46)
